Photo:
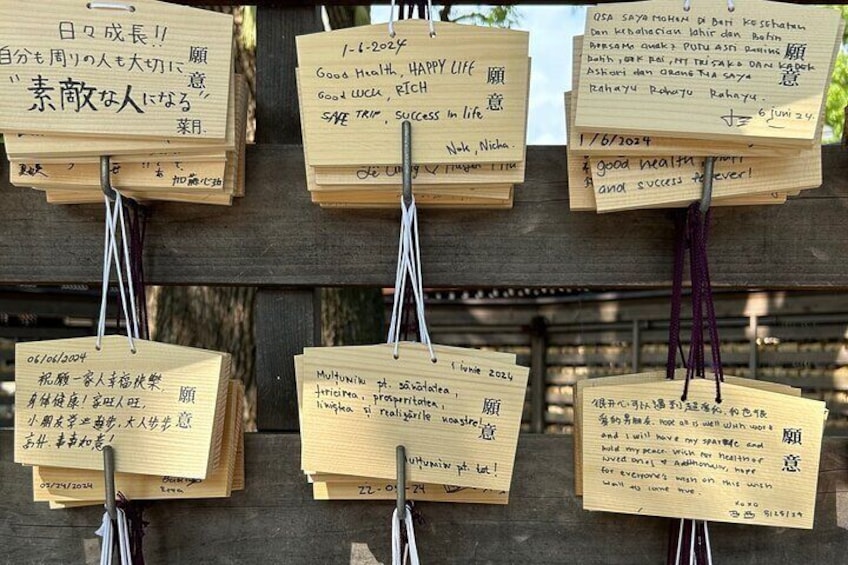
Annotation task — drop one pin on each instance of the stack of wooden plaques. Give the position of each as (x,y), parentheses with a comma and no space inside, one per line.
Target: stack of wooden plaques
(657,90)
(464,91)
(67,169)
(149,85)
(457,418)
(171,413)
(752,458)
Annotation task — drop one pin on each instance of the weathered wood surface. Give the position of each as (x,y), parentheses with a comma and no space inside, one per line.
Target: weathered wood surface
(275,520)
(285,322)
(275,236)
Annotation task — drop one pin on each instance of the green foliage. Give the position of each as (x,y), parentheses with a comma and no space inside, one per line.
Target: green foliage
(837,92)
(837,97)
(248,27)
(500,15)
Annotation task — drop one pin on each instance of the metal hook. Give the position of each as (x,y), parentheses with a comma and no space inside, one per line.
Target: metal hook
(106,177)
(106,184)
(707,195)
(109,473)
(401,482)
(406,150)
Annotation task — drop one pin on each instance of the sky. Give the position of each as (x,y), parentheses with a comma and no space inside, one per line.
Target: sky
(551,29)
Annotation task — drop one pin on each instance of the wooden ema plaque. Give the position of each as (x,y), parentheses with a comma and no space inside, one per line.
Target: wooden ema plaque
(752,459)
(60,484)
(61,148)
(657,376)
(464,90)
(329,486)
(458,418)
(158,70)
(153,175)
(618,143)
(627,183)
(583,168)
(68,485)
(376,489)
(161,408)
(758,72)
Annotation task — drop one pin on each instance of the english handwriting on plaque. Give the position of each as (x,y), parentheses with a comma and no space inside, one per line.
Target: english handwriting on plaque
(467,100)
(738,72)
(412,80)
(753,458)
(471,402)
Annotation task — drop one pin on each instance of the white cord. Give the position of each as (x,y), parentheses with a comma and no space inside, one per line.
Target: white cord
(400,556)
(679,543)
(392,20)
(110,6)
(429,18)
(105,532)
(409,265)
(692,542)
(130,287)
(687,4)
(707,542)
(110,254)
(123,538)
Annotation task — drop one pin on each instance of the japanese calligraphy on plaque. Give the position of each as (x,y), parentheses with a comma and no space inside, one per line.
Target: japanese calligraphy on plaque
(153,69)
(162,408)
(753,458)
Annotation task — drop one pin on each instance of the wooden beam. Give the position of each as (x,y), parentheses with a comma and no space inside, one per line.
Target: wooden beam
(276,520)
(276,237)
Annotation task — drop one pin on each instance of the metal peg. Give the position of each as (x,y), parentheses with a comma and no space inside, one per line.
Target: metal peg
(406,149)
(106,177)
(401,482)
(109,473)
(707,194)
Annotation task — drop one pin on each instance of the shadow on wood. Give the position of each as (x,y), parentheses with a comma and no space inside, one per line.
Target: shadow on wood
(275,520)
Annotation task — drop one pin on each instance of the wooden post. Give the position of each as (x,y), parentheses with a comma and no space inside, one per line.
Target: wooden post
(277,111)
(636,360)
(286,321)
(538,369)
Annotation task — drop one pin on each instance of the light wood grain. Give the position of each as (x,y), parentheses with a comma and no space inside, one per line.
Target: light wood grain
(375,489)
(61,148)
(581,188)
(628,183)
(71,485)
(204,176)
(639,143)
(155,65)
(680,374)
(186,442)
(757,73)
(454,64)
(389,175)
(739,461)
(440,412)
